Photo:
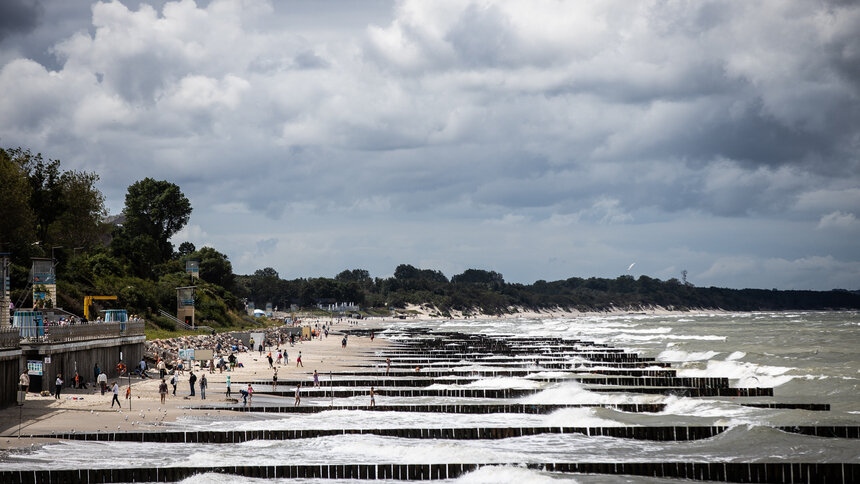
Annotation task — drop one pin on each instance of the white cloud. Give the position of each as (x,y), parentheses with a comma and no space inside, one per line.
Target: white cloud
(569,120)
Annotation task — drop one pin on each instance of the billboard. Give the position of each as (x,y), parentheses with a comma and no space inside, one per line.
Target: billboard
(203,355)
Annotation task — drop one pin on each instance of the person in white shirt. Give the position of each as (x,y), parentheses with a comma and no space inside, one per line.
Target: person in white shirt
(115,396)
(103,382)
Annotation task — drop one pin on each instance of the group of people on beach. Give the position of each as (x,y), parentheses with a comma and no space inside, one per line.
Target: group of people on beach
(172,369)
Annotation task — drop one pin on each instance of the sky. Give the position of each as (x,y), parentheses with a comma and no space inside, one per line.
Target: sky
(543,140)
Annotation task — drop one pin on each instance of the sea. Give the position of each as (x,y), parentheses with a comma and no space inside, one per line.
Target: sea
(806,357)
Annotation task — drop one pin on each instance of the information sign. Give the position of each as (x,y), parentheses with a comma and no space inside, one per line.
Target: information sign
(34,367)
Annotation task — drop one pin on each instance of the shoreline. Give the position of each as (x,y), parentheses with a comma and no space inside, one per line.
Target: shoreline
(86,410)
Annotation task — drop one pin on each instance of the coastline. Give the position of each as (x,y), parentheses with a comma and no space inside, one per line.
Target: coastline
(88,411)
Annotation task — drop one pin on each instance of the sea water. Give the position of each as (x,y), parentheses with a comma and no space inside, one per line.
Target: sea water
(806,357)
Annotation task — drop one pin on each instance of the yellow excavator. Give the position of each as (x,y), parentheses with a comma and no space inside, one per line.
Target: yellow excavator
(88,301)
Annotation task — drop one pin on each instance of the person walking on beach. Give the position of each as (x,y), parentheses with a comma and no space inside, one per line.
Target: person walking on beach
(115,389)
(298,394)
(162,390)
(143,368)
(203,385)
(173,380)
(192,378)
(275,379)
(316,379)
(343,342)
(96,372)
(58,385)
(228,385)
(162,368)
(387,366)
(280,357)
(299,360)
(24,382)
(269,358)
(372,399)
(102,379)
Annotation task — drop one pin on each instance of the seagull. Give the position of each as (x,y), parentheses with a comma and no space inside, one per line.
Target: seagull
(630,266)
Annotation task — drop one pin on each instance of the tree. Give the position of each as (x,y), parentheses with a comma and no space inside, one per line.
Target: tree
(405,272)
(17,220)
(83,208)
(267,272)
(185,249)
(215,267)
(45,188)
(478,276)
(156,209)
(355,275)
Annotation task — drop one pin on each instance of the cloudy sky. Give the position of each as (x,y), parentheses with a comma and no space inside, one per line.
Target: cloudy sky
(540,139)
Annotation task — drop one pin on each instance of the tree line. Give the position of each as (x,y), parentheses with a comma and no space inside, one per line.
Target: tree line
(486,292)
(48,212)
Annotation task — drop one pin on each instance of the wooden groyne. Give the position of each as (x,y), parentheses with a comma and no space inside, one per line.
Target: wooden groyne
(526,408)
(750,472)
(665,434)
(457,433)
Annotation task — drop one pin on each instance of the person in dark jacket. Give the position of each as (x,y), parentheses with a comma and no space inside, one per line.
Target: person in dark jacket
(192,378)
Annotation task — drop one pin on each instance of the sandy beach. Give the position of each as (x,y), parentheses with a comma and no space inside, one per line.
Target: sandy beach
(90,411)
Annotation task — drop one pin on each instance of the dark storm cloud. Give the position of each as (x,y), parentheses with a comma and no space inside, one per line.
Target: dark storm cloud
(19,16)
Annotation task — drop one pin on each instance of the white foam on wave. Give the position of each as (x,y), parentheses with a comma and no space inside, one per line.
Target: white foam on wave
(380,449)
(728,414)
(573,392)
(742,374)
(577,417)
(676,337)
(736,355)
(217,478)
(679,355)
(504,382)
(548,374)
(492,383)
(506,473)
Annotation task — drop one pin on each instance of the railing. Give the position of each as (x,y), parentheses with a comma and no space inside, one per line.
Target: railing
(9,338)
(87,332)
(179,324)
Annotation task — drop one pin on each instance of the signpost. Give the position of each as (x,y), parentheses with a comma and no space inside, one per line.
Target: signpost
(22,395)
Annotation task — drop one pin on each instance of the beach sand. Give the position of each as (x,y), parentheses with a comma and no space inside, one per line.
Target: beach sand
(92,411)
